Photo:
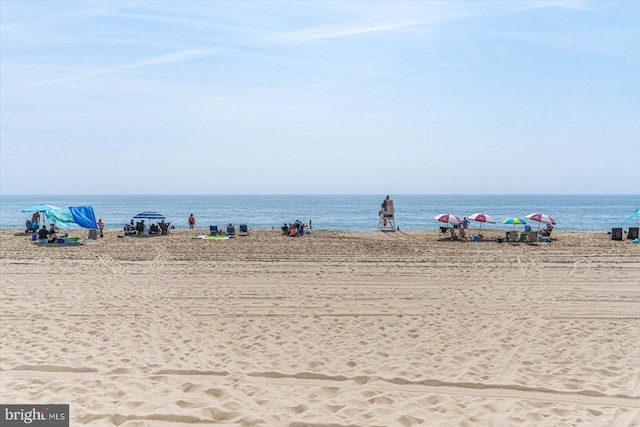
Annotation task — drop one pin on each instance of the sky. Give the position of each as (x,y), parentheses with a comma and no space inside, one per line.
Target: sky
(335,97)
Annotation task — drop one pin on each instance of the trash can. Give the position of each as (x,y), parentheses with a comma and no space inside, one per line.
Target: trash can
(93,234)
(616,234)
(633,233)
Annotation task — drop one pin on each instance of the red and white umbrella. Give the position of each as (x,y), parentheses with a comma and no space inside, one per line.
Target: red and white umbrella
(482,217)
(448,218)
(541,218)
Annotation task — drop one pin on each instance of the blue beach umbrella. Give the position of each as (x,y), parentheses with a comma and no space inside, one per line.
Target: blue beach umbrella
(513,221)
(42,208)
(149,215)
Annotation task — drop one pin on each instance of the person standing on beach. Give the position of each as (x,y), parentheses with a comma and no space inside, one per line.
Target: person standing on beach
(100,227)
(192,222)
(35,219)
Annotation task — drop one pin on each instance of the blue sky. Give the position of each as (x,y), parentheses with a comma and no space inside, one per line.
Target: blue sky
(319,97)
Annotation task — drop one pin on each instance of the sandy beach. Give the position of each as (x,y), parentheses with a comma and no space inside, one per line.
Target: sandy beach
(332,328)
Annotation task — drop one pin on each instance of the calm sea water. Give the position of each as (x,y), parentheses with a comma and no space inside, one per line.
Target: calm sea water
(336,212)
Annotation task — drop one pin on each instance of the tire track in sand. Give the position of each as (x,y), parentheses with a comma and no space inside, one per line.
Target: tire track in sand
(510,391)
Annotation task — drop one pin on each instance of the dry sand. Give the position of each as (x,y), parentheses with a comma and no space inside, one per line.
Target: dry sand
(334,328)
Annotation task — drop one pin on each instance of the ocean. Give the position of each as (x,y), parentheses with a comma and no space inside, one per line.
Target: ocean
(336,212)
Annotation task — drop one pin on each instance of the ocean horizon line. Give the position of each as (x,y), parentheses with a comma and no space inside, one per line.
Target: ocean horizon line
(313,194)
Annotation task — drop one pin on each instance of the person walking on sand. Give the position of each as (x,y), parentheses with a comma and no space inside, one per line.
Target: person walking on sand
(192,222)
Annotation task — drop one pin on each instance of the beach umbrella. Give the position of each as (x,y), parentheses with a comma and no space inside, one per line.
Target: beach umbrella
(482,217)
(40,208)
(43,208)
(149,215)
(541,218)
(513,221)
(448,218)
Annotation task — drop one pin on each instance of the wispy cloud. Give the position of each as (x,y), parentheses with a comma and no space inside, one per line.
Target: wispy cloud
(106,8)
(603,41)
(321,32)
(173,57)
(558,4)
(335,31)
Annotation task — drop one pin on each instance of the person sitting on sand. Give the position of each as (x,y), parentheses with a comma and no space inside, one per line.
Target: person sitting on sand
(43,233)
(164,227)
(141,227)
(53,237)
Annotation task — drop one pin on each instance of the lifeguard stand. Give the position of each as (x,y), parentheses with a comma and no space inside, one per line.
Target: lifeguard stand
(386,219)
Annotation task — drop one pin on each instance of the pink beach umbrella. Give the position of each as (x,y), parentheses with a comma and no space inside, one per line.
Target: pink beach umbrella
(541,218)
(482,217)
(448,218)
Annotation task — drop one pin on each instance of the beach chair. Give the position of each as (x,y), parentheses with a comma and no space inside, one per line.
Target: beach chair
(243,230)
(463,235)
(633,232)
(453,233)
(231,230)
(512,236)
(30,226)
(164,227)
(532,237)
(443,232)
(213,230)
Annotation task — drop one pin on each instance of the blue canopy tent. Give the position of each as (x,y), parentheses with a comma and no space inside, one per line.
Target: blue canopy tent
(636,214)
(153,217)
(73,216)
